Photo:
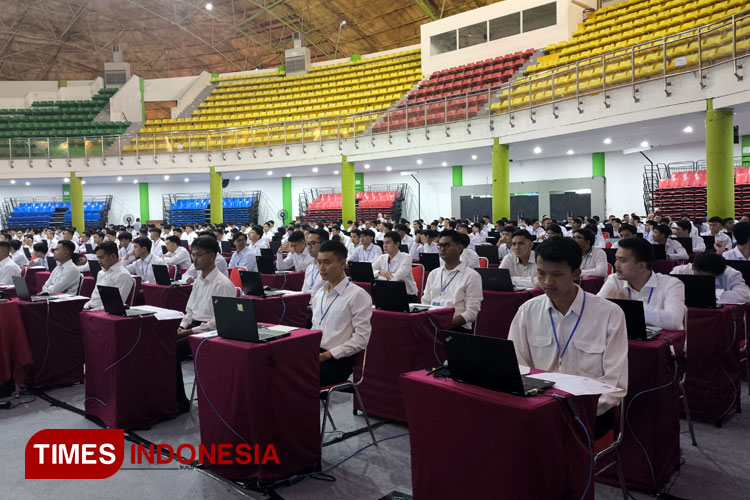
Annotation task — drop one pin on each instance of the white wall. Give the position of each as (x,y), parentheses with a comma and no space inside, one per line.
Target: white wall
(166,89)
(15,95)
(125,105)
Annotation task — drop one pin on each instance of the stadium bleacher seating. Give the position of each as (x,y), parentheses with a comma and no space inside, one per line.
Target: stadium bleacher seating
(327,207)
(32,215)
(194,211)
(686,192)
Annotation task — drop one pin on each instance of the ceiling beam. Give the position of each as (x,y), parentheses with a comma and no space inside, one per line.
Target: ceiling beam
(63,37)
(426,8)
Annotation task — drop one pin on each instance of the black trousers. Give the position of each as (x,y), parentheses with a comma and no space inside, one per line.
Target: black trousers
(603,424)
(412,299)
(335,371)
(183,354)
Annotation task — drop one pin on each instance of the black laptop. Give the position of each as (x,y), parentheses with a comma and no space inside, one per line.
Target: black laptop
(89,248)
(22,291)
(94,267)
(635,319)
(700,291)
(489,252)
(742,266)
(27,252)
(235,320)
(488,362)
(687,244)
(274,246)
(491,240)
(660,252)
(496,280)
(403,248)
(267,252)
(226,246)
(360,271)
(112,302)
(390,296)
(430,261)
(709,241)
(611,255)
(265,264)
(51,264)
(252,284)
(161,275)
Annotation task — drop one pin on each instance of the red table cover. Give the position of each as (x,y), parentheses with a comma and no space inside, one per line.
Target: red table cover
(54,332)
(267,394)
(497,312)
(168,297)
(15,353)
(366,286)
(130,371)
(289,310)
(38,279)
(284,281)
(472,443)
(666,266)
(87,286)
(399,343)
(31,281)
(591,284)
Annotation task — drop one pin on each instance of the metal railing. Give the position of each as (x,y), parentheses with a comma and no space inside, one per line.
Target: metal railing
(690,51)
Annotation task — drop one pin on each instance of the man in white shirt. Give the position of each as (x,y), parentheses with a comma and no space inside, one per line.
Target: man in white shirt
(454,284)
(683,230)
(368,251)
(189,235)
(313,280)
(626,231)
(663,296)
(243,257)
(741,233)
(504,242)
(354,241)
(727,279)
(156,243)
(199,311)
(18,256)
(144,265)
(468,256)
(722,241)
(297,259)
(220,262)
(65,277)
(407,240)
(8,268)
(521,263)
(672,247)
(570,331)
(176,255)
(342,311)
(594,259)
(429,245)
(256,241)
(125,251)
(394,265)
(112,274)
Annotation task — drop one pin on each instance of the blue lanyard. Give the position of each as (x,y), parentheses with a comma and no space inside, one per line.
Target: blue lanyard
(554,330)
(144,265)
(322,300)
(442,288)
(586,260)
(369,252)
(314,276)
(649,294)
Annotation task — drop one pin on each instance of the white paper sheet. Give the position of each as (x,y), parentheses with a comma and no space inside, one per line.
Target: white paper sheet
(577,386)
(206,335)
(66,297)
(524,369)
(281,328)
(161,313)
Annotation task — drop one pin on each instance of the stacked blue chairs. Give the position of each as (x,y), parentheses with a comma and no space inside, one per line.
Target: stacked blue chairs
(193,211)
(39,214)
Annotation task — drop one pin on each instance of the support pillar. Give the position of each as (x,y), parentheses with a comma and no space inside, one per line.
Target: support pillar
(719,161)
(76,203)
(143,193)
(597,165)
(458,175)
(500,180)
(286,197)
(217,197)
(348,203)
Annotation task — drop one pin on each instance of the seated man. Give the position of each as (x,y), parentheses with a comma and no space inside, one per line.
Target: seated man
(469,256)
(683,230)
(594,259)
(126,248)
(313,281)
(112,274)
(742,250)
(297,259)
(342,311)
(663,295)
(454,284)
(221,263)
(8,268)
(256,242)
(626,231)
(570,331)
(18,256)
(394,265)
(521,263)
(722,241)
(65,277)
(40,255)
(176,255)
(144,265)
(728,279)
(672,247)
(428,242)
(354,242)
(368,251)
(199,311)
(243,256)
(504,242)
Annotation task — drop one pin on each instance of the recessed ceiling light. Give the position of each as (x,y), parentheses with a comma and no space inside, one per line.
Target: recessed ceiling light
(288,175)
(473,157)
(367,165)
(315,170)
(270,172)
(28,183)
(66,180)
(236,177)
(135,181)
(83,182)
(187,179)
(444,164)
(537,150)
(388,168)
(688,129)
(335,172)
(119,179)
(166,177)
(12,181)
(209,6)
(607,141)
(644,144)
(419,162)
(570,152)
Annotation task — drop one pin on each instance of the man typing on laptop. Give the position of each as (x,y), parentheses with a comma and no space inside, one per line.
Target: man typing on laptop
(112,274)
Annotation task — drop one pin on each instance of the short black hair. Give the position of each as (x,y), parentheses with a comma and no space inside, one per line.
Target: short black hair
(402,227)
(555,228)
(41,247)
(560,250)
(5,244)
(335,247)
(257,230)
(239,234)
(174,239)
(108,247)
(125,236)
(394,236)
(453,235)
(465,241)
(68,245)
(587,235)
(143,242)
(664,229)
(296,236)
(322,234)
(155,230)
(641,249)
(741,232)
(628,227)
(524,233)
(15,244)
(355,231)
(368,232)
(509,229)
(684,224)
(210,245)
(716,219)
(68,230)
(710,262)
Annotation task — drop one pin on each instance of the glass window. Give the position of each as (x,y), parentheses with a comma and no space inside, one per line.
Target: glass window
(539,17)
(505,26)
(472,35)
(444,42)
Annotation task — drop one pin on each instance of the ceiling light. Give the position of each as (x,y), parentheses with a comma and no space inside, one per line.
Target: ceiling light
(119,179)
(209,6)
(135,181)
(12,181)
(288,175)
(343,22)
(473,157)
(83,182)
(66,180)
(236,177)
(688,129)
(28,183)
(270,172)
(607,141)
(644,144)
(570,151)
(166,177)
(419,162)
(335,172)
(367,165)
(537,150)
(388,168)
(444,164)
(187,179)
(315,170)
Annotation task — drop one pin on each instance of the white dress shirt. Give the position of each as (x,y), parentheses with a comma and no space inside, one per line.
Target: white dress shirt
(594,263)
(470,257)
(200,307)
(598,348)
(256,247)
(369,254)
(721,236)
(663,298)
(460,288)
(400,266)
(523,276)
(145,268)
(343,314)
(734,254)
(698,244)
(20,258)
(179,258)
(220,262)
(190,238)
(503,250)
(474,239)
(429,248)
(8,269)
(116,276)
(244,259)
(675,250)
(313,282)
(157,248)
(731,282)
(65,278)
(297,261)
(122,252)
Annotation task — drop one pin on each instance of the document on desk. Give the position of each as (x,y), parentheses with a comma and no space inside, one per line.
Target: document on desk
(162,314)
(282,328)
(206,335)
(577,386)
(65,297)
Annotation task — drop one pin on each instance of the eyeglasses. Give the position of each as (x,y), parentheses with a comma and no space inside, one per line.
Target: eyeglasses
(311,244)
(443,246)
(198,255)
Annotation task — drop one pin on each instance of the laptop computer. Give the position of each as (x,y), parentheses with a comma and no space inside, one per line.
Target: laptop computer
(660,252)
(611,255)
(430,261)
(266,252)
(687,243)
(390,296)
(184,244)
(608,228)
(403,248)
(51,264)
(700,291)
(94,267)
(252,284)
(360,271)
(491,240)
(226,246)
(743,267)
(489,252)
(635,320)
(496,280)
(235,320)
(113,305)
(22,291)
(274,246)
(89,248)
(488,362)
(161,275)
(493,234)
(265,264)
(27,252)
(709,241)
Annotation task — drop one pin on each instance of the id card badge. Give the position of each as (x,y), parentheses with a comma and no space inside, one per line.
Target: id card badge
(436,303)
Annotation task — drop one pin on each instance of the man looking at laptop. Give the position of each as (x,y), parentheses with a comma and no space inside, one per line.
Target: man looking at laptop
(454,284)
(297,259)
(594,259)
(521,262)
(112,274)
(367,251)
(683,230)
(394,265)
(8,268)
(342,311)
(663,296)
(672,247)
(65,277)
(570,331)
(728,279)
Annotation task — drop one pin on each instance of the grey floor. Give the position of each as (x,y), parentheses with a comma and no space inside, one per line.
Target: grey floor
(718,468)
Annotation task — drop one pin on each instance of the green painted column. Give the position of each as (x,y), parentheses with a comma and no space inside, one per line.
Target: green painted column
(76,203)
(500,180)
(359,182)
(143,194)
(597,165)
(286,196)
(217,197)
(719,161)
(348,203)
(141,86)
(745,142)
(458,175)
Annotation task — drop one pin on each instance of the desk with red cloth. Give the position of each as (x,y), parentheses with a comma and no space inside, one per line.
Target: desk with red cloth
(284,281)
(15,354)
(169,297)
(666,266)
(497,312)
(288,309)
(263,394)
